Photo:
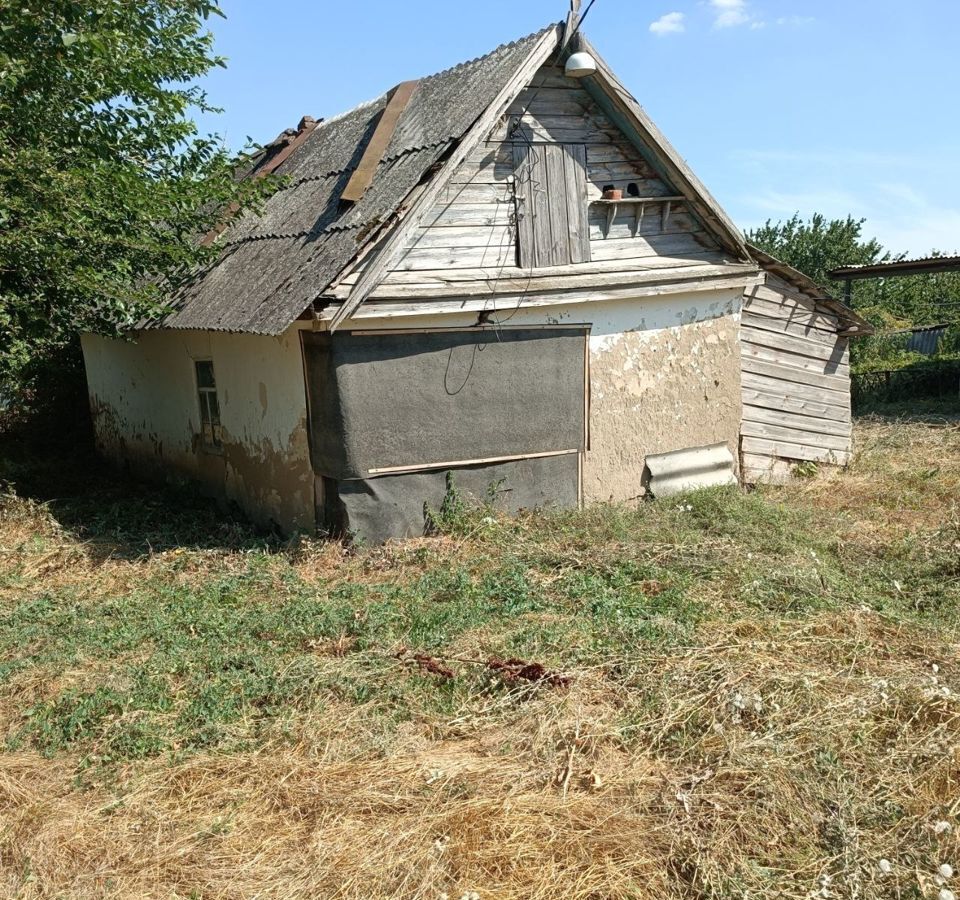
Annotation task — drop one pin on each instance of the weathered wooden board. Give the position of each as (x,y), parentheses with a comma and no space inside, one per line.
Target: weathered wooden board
(795,421)
(782,325)
(776,288)
(493,166)
(618,151)
(553,130)
(506,294)
(574,184)
(789,346)
(778,371)
(690,265)
(791,401)
(557,207)
(475,193)
(792,450)
(486,257)
(465,236)
(772,432)
(645,246)
(551,77)
(623,169)
(477,215)
(795,367)
(767,310)
(456,281)
(566,101)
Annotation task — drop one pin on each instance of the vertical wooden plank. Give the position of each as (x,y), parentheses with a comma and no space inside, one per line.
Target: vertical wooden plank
(556,196)
(575,191)
(523,191)
(539,204)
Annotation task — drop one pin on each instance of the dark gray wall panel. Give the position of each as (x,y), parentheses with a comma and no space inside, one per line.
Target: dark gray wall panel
(381,400)
(392,506)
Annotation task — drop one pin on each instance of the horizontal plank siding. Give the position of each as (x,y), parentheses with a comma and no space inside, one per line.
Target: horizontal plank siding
(778,399)
(795,383)
(783,449)
(760,414)
(792,378)
(473,226)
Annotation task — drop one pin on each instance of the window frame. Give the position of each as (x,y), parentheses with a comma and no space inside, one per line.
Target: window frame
(208,402)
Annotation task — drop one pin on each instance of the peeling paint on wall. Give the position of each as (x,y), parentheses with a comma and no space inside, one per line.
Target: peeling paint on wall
(653,392)
(146,417)
(664,371)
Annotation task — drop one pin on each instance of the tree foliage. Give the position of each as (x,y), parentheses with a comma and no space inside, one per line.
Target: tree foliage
(819,245)
(105,181)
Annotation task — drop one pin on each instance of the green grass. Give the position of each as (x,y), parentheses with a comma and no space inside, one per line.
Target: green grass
(757,691)
(219,658)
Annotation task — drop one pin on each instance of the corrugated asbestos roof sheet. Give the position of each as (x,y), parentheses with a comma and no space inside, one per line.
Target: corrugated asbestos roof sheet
(275,263)
(926,264)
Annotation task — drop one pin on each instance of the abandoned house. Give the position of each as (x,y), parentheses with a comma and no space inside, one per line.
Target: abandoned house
(503,272)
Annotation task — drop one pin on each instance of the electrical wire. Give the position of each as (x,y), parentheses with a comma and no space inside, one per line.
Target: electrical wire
(580,20)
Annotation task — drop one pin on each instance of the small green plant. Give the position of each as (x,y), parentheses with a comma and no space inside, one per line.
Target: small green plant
(451,515)
(806,468)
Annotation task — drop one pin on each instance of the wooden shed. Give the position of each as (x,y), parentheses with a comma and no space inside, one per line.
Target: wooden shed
(795,376)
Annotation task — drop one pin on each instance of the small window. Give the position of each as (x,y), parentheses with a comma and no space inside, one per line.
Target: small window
(209,405)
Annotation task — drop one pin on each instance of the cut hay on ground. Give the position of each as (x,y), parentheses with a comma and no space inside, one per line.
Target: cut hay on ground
(762,748)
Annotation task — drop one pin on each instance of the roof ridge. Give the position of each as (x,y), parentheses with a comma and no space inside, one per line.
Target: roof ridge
(504,46)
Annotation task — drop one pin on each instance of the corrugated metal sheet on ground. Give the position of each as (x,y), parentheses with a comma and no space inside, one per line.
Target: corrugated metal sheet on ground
(690,469)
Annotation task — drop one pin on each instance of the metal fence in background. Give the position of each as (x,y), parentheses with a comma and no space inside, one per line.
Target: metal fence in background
(935,379)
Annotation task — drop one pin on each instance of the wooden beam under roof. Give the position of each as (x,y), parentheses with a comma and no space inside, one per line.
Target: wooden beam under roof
(363,174)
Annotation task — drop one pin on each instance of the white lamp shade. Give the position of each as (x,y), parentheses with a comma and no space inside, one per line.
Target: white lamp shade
(579,65)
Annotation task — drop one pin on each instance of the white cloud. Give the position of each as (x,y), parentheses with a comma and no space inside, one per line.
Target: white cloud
(796,21)
(671,23)
(730,13)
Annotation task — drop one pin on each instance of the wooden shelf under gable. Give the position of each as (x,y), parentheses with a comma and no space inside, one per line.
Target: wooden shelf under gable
(612,206)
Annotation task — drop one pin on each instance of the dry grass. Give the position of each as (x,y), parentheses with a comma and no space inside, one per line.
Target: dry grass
(778,728)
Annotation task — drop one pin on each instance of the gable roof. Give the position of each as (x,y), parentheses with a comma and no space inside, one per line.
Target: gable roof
(850,321)
(626,112)
(275,263)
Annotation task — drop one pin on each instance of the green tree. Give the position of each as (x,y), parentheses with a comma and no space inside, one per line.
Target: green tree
(819,245)
(105,180)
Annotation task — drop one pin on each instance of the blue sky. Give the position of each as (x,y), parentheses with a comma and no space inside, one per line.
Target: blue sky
(833,106)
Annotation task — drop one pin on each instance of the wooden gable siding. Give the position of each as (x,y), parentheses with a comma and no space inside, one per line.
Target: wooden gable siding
(470,234)
(796,383)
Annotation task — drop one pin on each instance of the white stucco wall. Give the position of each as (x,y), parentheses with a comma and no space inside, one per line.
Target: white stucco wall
(664,375)
(146,413)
